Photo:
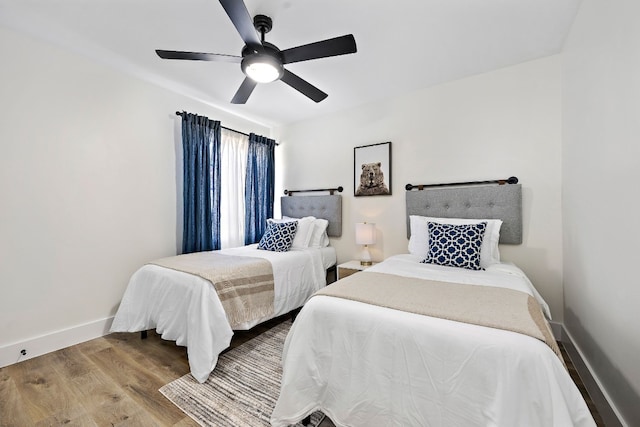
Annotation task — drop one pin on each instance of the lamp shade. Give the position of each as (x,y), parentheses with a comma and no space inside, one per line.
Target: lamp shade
(365,233)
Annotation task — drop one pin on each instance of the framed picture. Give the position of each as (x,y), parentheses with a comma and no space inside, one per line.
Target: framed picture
(372,170)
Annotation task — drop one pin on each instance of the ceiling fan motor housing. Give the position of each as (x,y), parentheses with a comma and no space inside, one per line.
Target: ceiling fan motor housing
(270,54)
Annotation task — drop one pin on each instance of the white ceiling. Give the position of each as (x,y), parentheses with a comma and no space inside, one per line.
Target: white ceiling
(403,45)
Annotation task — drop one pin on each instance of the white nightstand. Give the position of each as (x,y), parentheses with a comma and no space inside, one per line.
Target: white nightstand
(351,267)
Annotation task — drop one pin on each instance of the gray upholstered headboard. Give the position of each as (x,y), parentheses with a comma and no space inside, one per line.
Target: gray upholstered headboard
(325,207)
(477,202)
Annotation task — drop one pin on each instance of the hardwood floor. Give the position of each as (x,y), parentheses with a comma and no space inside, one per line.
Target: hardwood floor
(113,381)
(108,381)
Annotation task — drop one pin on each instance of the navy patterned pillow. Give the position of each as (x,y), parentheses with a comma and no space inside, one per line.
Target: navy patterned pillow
(455,245)
(279,236)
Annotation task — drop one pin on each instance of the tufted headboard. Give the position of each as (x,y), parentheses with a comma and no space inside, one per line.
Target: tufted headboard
(477,202)
(325,207)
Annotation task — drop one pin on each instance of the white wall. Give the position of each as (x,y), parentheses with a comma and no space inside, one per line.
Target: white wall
(88,185)
(490,126)
(601,171)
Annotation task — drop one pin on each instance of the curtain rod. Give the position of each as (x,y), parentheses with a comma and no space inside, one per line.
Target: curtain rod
(178,113)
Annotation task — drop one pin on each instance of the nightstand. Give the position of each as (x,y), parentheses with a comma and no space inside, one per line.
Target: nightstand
(351,267)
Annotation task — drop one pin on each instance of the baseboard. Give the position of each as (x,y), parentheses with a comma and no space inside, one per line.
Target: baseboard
(610,415)
(556,329)
(34,347)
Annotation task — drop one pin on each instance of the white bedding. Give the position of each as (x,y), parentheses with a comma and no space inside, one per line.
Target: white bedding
(365,365)
(186,309)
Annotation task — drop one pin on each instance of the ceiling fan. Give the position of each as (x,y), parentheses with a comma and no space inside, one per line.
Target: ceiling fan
(263,62)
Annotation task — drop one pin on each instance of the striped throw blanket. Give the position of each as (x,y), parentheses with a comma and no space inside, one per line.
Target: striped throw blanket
(490,306)
(244,284)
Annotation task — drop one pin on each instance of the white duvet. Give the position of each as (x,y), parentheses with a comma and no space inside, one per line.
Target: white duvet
(365,365)
(186,309)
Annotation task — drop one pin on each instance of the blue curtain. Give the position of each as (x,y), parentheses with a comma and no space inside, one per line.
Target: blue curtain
(259,187)
(201,194)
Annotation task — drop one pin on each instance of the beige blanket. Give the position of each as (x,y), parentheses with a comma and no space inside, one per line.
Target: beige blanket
(244,284)
(479,305)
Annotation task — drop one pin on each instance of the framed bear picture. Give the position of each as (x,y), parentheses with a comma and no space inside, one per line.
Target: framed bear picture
(372,170)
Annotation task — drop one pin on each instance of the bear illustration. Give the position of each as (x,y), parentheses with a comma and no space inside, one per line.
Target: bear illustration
(372,180)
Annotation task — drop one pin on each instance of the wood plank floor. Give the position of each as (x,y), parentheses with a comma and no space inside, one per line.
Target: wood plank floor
(113,381)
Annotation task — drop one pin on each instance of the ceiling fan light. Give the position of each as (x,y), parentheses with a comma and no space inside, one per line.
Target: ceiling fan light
(262,72)
(262,68)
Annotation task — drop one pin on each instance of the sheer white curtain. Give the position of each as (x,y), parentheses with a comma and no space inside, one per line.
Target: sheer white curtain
(233,162)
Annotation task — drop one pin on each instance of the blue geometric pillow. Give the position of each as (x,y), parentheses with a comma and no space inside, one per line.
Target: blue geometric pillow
(279,236)
(455,245)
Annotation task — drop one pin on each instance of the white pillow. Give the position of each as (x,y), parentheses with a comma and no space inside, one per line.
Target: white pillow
(319,238)
(419,240)
(325,240)
(304,232)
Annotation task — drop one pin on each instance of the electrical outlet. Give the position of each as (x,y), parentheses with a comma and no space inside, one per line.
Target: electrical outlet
(23,352)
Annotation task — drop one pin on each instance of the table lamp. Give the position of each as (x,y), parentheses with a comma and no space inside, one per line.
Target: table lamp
(365,235)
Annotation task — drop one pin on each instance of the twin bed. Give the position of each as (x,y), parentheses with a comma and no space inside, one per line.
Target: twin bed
(186,308)
(407,343)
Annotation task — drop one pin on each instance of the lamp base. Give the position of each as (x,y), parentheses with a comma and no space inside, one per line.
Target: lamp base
(365,257)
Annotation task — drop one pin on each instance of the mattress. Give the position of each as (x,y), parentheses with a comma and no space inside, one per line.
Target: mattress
(367,365)
(186,309)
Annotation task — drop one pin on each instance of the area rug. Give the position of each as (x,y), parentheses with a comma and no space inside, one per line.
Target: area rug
(243,388)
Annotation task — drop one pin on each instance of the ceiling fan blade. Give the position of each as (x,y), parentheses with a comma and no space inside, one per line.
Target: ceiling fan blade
(244,91)
(241,19)
(322,49)
(303,86)
(197,56)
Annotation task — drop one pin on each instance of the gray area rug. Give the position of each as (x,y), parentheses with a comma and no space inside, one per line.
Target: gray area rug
(243,388)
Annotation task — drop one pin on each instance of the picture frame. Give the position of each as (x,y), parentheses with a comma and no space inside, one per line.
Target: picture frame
(372,170)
